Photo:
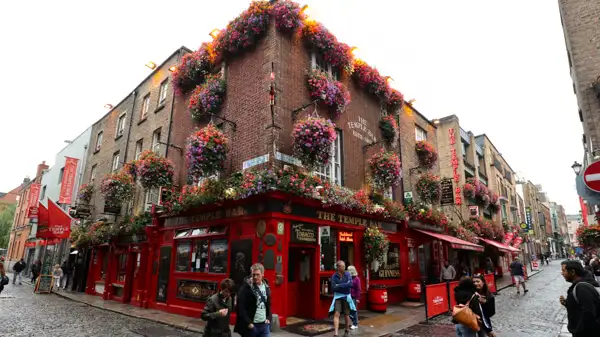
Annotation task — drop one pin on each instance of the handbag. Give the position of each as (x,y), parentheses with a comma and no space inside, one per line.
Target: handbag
(5,280)
(465,316)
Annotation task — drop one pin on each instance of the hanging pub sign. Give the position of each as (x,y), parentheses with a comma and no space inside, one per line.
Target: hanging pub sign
(303,233)
(390,268)
(447,192)
(346,236)
(324,233)
(195,290)
(32,203)
(528,218)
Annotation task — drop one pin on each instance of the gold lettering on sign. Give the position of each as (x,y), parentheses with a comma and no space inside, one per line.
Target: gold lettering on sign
(346,219)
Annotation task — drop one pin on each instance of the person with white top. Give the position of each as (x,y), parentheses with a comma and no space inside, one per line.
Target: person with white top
(447,273)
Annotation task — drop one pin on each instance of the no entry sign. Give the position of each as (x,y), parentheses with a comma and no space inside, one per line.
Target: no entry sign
(591,176)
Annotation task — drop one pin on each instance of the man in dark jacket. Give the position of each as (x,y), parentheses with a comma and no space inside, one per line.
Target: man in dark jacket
(18,268)
(582,302)
(217,311)
(254,305)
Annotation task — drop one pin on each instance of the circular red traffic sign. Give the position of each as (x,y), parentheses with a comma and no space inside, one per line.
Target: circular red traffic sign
(591,176)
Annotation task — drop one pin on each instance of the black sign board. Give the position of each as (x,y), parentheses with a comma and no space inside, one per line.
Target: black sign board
(447,192)
(44,284)
(164,265)
(390,268)
(193,290)
(304,233)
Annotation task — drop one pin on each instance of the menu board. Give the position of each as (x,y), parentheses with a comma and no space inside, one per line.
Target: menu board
(193,290)
(390,268)
(447,192)
(44,284)
(304,233)
(218,256)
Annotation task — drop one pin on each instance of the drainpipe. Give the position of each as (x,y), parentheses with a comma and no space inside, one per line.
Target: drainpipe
(172,108)
(134,93)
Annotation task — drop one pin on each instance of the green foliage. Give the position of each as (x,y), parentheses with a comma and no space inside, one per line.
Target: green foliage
(7,215)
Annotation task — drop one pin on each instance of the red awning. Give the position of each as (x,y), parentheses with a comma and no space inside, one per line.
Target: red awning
(454,242)
(500,246)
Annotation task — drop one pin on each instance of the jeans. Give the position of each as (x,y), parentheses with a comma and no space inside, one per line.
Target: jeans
(64,280)
(464,331)
(56,282)
(15,277)
(261,330)
(354,316)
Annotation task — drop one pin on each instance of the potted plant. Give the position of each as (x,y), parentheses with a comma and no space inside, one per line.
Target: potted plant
(206,152)
(331,92)
(386,169)
(244,31)
(85,194)
(207,98)
(191,70)
(428,188)
(336,53)
(288,16)
(426,153)
(117,188)
(154,171)
(389,129)
(312,141)
(494,206)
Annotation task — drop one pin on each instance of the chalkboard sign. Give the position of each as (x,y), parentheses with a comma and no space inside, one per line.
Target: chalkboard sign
(447,192)
(44,284)
(304,233)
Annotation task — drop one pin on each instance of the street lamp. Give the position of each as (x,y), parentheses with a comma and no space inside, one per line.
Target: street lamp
(576,168)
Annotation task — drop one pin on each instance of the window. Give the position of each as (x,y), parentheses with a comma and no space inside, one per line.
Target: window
(122,268)
(99,140)
(318,62)
(145,107)
(389,193)
(465,149)
(60,175)
(156,141)
(183,256)
(200,253)
(43,195)
(151,197)
(93,173)
(328,249)
(162,94)
(115,161)
(139,145)
(420,134)
(121,125)
(333,171)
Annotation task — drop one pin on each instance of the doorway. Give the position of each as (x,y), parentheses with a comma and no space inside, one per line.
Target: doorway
(302,282)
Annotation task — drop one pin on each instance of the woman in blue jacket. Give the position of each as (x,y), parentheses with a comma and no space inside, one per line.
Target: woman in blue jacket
(341,284)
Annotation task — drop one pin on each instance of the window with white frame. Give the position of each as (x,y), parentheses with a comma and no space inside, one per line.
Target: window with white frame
(420,133)
(333,171)
(214,177)
(115,161)
(121,124)
(99,140)
(162,93)
(93,173)
(145,107)
(151,198)
(139,145)
(156,140)
(318,62)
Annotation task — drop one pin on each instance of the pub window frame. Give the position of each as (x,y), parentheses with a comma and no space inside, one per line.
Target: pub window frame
(121,275)
(191,238)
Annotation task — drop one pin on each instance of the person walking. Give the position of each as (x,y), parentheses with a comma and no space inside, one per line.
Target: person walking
(17,269)
(355,293)
(66,269)
(447,273)
(35,271)
(57,274)
(582,301)
(596,268)
(466,293)
(489,266)
(487,304)
(3,278)
(341,283)
(217,311)
(254,305)
(516,271)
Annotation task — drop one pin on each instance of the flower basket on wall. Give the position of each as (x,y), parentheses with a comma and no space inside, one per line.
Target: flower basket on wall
(312,141)
(494,206)
(207,98)
(117,188)
(426,215)
(85,194)
(386,169)
(206,152)
(426,153)
(375,243)
(389,129)
(288,16)
(331,92)
(589,236)
(192,70)
(154,170)
(464,234)
(243,32)
(336,53)
(428,188)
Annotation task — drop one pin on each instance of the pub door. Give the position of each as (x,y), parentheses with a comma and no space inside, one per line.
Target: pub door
(134,276)
(302,283)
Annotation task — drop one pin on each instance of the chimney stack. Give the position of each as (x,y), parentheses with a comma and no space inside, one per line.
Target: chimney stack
(26,180)
(41,168)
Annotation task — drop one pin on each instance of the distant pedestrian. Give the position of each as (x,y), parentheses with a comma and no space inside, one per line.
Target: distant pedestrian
(487,304)
(516,271)
(489,266)
(57,274)
(35,270)
(217,311)
(582,302)
(596,268)
(3,278)
(254,305)
(341,283)
(447,272)
(355,293)
(66,269)
(17,269)
(465,293)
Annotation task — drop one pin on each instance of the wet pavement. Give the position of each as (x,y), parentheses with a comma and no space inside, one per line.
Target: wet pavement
(535,314)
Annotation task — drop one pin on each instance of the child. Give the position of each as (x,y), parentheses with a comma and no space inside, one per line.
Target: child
(355,293)
(57,274)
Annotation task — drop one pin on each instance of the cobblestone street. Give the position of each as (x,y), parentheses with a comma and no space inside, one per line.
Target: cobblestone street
(536,314)
(23,313)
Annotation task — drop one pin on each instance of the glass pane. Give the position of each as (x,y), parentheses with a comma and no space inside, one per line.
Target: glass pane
(199,262)
(329,251)
(218,256)
(181,234)
(122,268)
(183,256)
(199,231)
(217,230)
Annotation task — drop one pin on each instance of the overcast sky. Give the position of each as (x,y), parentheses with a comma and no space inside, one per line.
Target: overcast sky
(500,66)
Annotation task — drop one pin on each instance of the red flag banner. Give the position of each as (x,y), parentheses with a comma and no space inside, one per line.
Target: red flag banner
(68,180)
(58,225)
(517,242)
(508,237)
(32,203)
(42,227)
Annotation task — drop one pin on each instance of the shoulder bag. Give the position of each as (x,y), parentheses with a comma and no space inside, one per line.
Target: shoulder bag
(465,316)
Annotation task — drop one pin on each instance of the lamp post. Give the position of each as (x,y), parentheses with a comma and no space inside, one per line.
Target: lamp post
(576,168)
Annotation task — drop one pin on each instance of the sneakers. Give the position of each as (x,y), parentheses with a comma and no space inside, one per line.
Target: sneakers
(354,327)
(525,291)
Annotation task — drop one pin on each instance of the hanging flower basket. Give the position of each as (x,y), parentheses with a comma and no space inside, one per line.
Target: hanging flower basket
(464,234)
(473,225)
(394,100)
(494,206)
(192,70)
(312,141)
(376,244)
(206,152)
(131,169)
(288,16)
(368,78)
(244,31)
(389,129)
(426,153)
(85,194)
(428,188)
(117,188)
(427,215)
(154,171)
(469,191)
(336,53)
(386,169)
(589,236)
(332,93)
(207,98)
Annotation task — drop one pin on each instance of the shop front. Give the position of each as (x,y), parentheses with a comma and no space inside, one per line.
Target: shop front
(500,254)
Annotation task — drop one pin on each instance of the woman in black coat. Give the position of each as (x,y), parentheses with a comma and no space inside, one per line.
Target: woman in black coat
(487,304)
(464,292)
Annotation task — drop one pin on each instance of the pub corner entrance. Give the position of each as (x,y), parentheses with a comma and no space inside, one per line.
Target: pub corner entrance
(302,282)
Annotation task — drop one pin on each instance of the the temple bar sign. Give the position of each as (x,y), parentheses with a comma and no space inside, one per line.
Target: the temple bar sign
(216,215)
(346,219)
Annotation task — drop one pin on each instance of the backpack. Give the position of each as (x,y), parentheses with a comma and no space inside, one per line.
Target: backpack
(4,280)
(597,299)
